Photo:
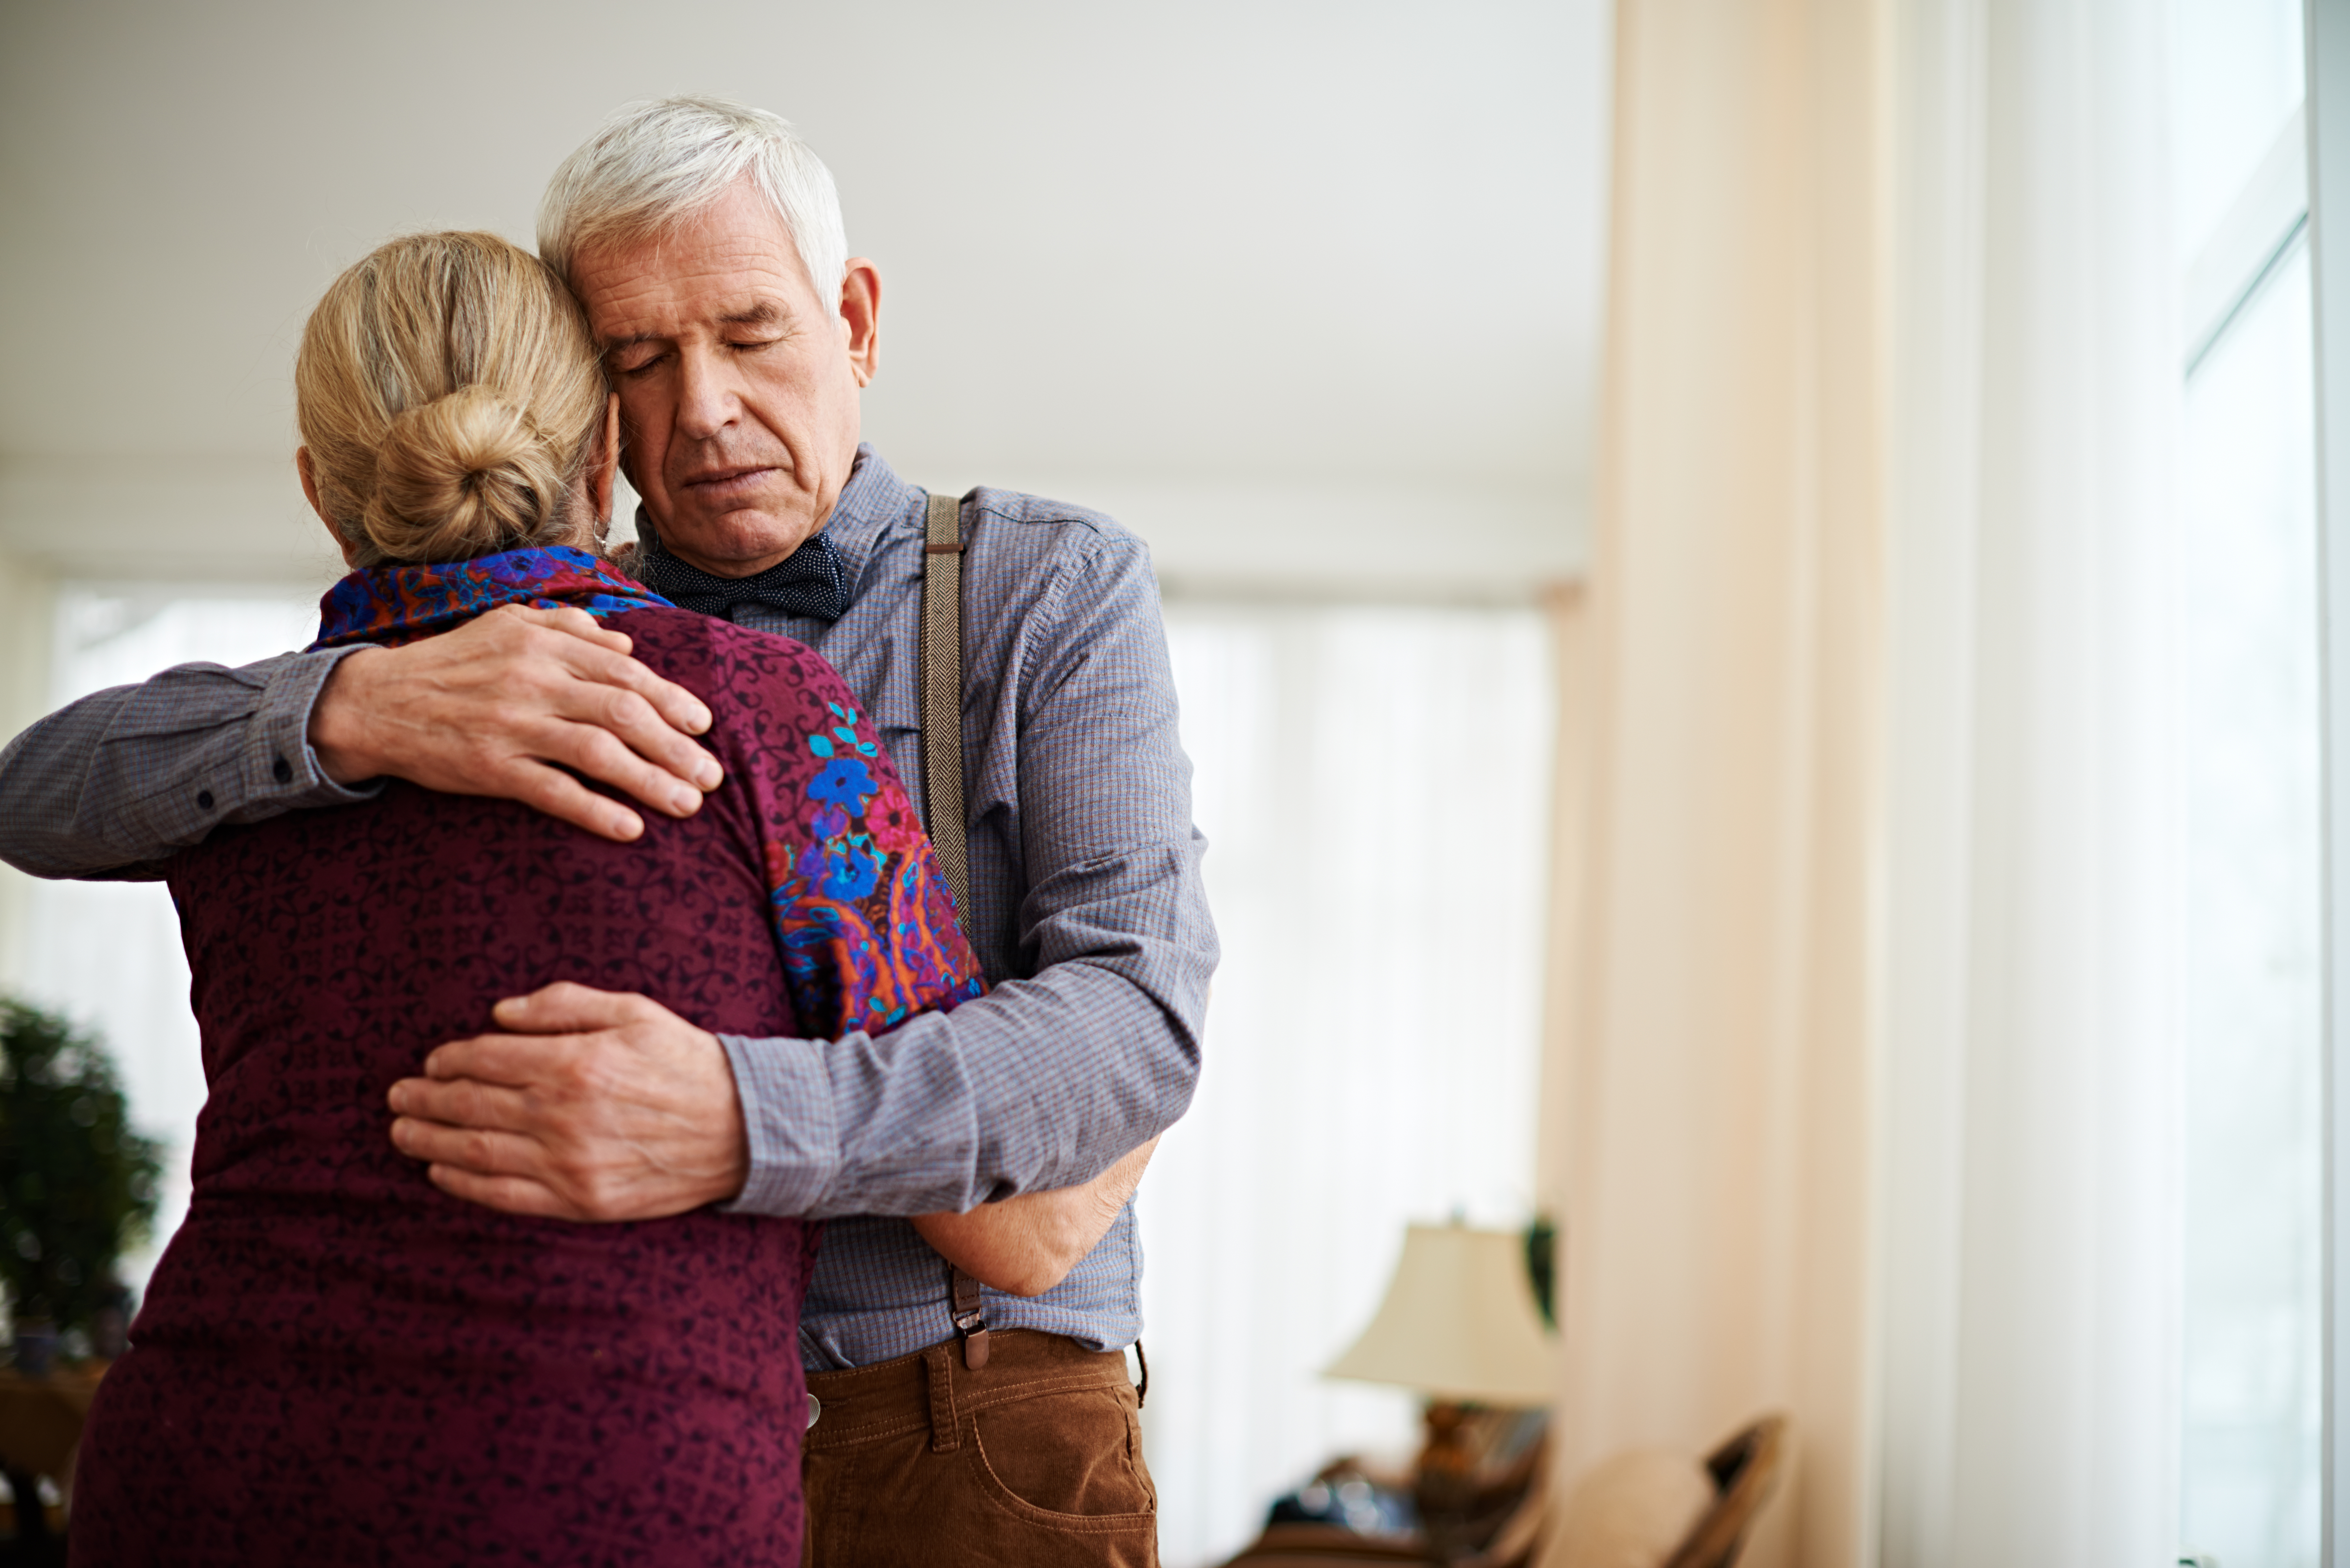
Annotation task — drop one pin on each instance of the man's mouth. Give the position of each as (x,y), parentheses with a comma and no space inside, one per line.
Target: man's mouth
(718,483)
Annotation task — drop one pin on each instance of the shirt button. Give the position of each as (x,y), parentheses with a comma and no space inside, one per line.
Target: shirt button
(815,1409)
(204,799)
(284,770)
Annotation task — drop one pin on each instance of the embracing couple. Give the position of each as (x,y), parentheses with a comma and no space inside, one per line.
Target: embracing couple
(577,1184)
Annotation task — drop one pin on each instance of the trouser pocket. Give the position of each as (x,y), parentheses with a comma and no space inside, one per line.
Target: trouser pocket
(1053,1481)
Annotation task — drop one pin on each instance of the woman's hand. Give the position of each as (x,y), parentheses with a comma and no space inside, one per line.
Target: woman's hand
(503,704)
(1024,1246)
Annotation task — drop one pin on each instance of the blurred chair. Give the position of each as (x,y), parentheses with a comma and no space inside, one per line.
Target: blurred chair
(1745,1472)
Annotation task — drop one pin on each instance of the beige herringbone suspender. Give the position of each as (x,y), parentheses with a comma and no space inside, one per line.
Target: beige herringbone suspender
(943,792)
(942,694)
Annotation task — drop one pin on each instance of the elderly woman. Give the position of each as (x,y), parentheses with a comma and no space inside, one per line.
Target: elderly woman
(337,1362)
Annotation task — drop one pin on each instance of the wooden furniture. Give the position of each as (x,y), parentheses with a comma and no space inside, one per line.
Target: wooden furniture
(1745,1472)
(1745,1469)
(40,1431)
(1509,1545)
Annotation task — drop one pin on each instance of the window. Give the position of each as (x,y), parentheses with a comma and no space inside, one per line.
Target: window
(2248,667)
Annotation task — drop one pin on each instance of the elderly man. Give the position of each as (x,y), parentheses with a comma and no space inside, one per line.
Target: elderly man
(957,1423)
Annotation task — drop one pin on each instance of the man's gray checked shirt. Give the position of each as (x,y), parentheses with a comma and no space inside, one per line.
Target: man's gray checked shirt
(1087,911)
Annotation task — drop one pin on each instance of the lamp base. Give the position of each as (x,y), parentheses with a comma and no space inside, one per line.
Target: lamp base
(1474,1470)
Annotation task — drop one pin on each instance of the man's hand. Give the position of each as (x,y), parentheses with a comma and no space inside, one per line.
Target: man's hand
(490,708)
(1024,1246)
(598,1106)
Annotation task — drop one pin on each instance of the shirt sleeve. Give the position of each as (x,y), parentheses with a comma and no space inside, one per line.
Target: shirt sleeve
(1046,1081)
(115,782)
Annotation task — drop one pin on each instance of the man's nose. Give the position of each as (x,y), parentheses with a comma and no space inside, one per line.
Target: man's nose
(707,401)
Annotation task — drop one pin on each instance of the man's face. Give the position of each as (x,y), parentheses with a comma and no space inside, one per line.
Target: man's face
(738,384)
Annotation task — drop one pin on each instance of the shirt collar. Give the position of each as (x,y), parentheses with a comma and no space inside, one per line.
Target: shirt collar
(873,500)
(871,503)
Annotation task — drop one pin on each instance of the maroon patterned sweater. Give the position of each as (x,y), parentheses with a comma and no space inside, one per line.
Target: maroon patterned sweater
(336,1363)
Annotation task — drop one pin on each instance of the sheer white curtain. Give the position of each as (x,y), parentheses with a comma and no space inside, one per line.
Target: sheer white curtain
(2031,1040)
(1372,783)
(1873,1053)
(28,598)
(1711,1049)
(108,954)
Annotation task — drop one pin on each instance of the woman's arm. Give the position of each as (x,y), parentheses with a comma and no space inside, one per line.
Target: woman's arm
(1024,1246)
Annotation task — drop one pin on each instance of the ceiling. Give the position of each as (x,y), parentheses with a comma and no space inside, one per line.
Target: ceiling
(1298,290)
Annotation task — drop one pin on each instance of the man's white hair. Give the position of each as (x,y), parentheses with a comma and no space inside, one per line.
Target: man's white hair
(659,163)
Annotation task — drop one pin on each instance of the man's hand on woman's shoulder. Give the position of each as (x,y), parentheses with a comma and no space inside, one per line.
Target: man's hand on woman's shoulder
(491,707)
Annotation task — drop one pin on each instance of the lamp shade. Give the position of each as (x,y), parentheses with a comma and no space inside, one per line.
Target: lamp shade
(1459,1322)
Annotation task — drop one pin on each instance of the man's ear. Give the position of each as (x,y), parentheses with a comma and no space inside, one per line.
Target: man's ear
(603,462)
(860,312)
(310,494)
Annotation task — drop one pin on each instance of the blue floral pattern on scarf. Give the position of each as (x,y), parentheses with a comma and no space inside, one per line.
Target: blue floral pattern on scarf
(867,868)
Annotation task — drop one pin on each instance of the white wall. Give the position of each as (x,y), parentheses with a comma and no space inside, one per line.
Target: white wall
(1298,286)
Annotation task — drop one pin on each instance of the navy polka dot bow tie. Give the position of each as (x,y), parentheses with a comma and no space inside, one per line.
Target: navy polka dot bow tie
(810,581)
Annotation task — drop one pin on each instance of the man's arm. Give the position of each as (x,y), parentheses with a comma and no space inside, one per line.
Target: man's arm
(585,1109)
(113,785)
(121,779)
(1024,1246)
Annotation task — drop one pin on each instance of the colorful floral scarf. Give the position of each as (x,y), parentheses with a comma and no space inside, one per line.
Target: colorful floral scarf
(394,605)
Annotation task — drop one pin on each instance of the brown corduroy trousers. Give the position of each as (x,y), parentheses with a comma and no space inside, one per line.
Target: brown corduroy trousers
(1032,1461)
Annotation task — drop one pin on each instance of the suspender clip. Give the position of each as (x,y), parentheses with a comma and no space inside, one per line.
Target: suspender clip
(969,1317)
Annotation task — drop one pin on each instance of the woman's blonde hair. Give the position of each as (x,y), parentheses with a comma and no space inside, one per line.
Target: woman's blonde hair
(449,392)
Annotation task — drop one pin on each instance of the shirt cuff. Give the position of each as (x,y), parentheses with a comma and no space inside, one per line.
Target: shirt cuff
(788,1114)
(281,769)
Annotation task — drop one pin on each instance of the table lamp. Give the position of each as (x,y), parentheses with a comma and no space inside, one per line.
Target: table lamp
(1459,1324)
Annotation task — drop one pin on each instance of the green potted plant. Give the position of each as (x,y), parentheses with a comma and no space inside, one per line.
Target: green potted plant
(77,1184)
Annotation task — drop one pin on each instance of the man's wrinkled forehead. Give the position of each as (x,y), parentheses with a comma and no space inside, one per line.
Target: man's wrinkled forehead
(732,261)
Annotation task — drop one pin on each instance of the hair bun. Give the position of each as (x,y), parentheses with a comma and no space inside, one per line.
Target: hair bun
(412,470)
(461,475)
